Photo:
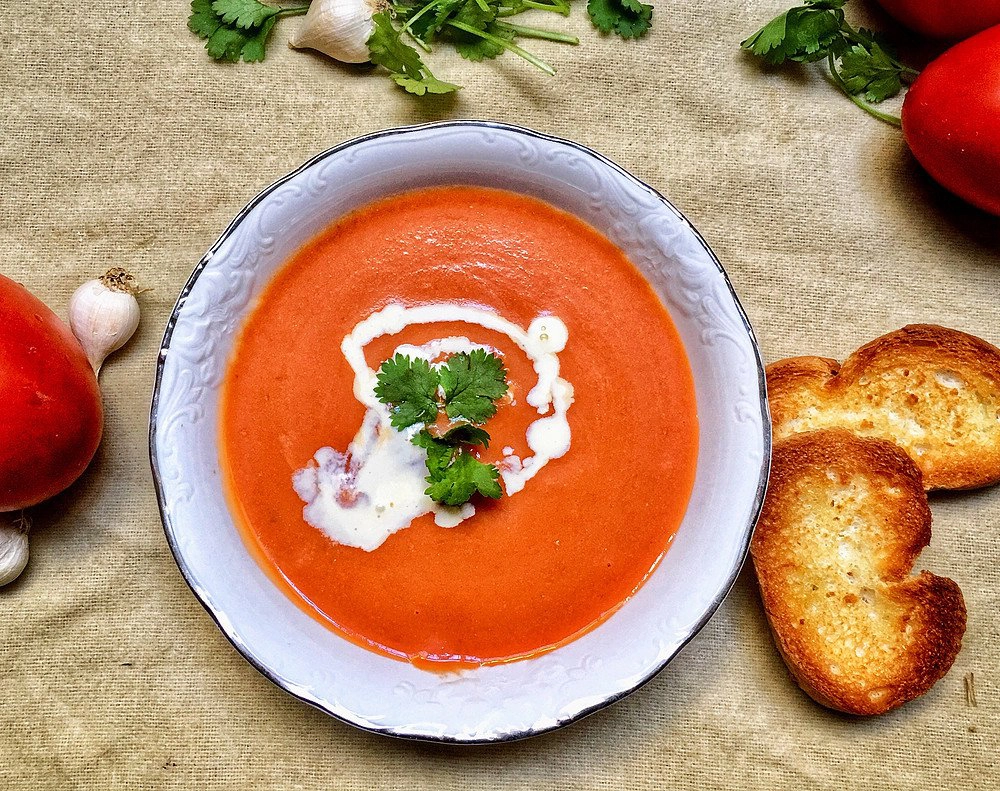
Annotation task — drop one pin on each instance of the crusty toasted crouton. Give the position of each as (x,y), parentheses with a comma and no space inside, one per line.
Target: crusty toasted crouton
(844,520)
(933,391)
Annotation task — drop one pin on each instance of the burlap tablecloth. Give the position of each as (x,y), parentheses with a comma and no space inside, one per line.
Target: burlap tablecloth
(122,143)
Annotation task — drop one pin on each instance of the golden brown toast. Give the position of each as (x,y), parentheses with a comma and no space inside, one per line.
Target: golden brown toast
(844,520)
(931,390)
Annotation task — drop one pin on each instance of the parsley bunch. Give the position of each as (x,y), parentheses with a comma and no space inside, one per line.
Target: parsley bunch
(478,29)
(861,64)
(466,388)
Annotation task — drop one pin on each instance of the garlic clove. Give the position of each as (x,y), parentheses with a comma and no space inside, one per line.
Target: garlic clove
(104,314)
(338,28)
(13,547)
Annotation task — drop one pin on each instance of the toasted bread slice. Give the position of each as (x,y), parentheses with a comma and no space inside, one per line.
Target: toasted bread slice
(931,390)
(844,520)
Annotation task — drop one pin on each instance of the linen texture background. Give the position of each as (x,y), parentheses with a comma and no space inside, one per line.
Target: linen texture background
(123,144)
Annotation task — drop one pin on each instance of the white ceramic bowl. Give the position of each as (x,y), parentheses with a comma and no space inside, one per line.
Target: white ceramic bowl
(493,703)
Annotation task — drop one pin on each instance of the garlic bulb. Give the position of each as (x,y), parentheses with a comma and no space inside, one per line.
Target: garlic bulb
(104,314)
(13,547)
(338,28)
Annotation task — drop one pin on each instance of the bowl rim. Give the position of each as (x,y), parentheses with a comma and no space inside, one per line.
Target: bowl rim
(748,528)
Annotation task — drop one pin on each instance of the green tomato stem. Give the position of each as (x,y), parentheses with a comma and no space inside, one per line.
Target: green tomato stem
(538,62)
(535,32)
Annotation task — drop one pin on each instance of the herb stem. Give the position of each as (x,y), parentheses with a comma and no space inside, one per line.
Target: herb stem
(418,41)
(496,40)
(293,11)
(483,5)
(893,120)
(556,7)
(534,32)
(409,22)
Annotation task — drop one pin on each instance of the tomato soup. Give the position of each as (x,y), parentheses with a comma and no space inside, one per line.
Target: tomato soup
(543,563)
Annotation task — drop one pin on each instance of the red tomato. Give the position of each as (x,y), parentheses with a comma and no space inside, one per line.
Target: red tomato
(945,18)
(951,119)
(50,405)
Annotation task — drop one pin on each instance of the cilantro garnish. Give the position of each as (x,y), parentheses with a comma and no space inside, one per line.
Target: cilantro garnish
(478,29)
(860,63)
(465,434)
(236,29)
(627,18)
(472,382)
(410,386)
(455,475)
(466,387)
(463,477)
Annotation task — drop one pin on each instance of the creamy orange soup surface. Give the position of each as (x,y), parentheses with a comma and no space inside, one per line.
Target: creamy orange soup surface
(529,571)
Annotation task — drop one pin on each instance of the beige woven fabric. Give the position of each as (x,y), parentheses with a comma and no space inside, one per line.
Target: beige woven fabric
(122,143)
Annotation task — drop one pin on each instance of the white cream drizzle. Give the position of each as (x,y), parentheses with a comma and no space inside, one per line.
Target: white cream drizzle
(361,497)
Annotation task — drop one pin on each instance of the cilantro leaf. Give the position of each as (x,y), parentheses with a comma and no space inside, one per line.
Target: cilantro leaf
(627,18)
(439,454)
(805,33)
(635,26)
(455,475)
(227,44)
(457,482)
(477,49)
(388,49)
(234,29)
(868,68)
(408,71)
(203,20)
(424,85)
(244,13)
(253,49)
(466,434)
(409,387)
(472,382)
(479,15)
(476,13)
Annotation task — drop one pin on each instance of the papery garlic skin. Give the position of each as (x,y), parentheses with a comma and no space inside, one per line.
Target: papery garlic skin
(338,28)
(104,314)
(13,547)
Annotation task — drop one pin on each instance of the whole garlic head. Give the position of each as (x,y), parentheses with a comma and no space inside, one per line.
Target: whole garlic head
(338,28)
(13,547)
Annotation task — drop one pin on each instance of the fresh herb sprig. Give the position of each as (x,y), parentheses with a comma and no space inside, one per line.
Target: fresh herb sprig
(861,64)
(466,388)
(237,29)
(627,18)
(455,474)
(477,29)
